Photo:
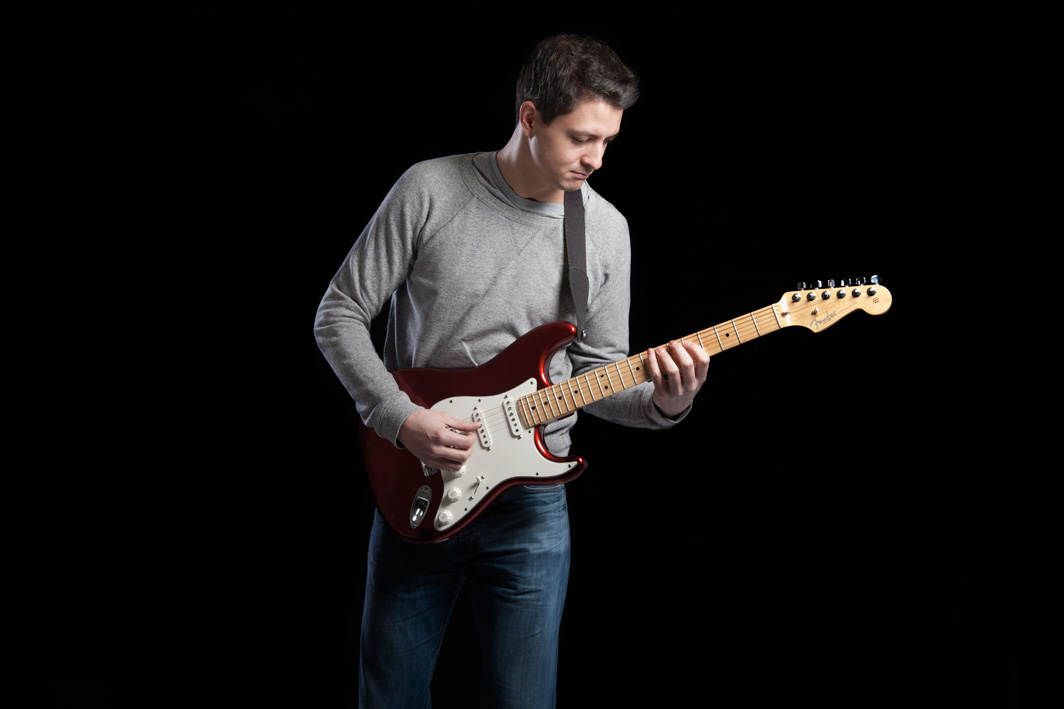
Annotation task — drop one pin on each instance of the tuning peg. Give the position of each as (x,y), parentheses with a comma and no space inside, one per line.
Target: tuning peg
(875,280)
(831,283)
(801,285)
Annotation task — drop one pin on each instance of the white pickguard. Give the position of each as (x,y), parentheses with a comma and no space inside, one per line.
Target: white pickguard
(504,450)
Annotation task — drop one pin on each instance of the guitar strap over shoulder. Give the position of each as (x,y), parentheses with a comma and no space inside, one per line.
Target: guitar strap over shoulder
(576,255)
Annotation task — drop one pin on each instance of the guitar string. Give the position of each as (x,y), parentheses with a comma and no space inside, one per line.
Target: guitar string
(745,328)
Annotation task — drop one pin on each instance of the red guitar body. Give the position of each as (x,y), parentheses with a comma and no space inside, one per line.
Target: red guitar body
(428,505)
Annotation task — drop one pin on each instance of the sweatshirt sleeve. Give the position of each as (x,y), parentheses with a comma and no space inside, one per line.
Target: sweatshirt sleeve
(374,268)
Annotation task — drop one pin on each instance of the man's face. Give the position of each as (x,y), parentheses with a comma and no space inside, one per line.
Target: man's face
(566,152)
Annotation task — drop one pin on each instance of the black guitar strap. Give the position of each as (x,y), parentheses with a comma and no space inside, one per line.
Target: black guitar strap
(577,257)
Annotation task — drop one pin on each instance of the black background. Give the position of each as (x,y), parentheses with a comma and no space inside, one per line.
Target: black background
(184,511)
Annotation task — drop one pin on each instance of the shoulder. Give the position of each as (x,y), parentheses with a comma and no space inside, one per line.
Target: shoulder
(429,189)
(430,175)
(604,221)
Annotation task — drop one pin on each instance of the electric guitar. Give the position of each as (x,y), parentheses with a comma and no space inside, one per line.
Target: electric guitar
(512,397)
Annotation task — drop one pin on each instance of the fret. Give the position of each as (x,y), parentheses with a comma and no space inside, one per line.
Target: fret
(609,379)
(525,419)
(573,394)
(568,401)
(635,379)
(557,402)
(549,401)
(598,380)
(529,412)
(590,389)
(538,398)
(580,388)
(736,330)
(754,321)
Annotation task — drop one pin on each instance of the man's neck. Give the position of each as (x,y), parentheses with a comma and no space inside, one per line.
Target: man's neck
(513,160)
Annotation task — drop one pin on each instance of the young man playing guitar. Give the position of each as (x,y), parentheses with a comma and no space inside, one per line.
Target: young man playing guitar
(469,253)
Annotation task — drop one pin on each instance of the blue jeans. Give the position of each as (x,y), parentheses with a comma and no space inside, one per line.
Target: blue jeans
(513,562)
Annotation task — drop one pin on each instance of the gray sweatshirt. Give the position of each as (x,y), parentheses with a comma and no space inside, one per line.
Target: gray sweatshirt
(466,267)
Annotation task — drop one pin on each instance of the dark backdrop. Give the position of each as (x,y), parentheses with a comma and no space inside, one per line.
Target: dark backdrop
(185,513)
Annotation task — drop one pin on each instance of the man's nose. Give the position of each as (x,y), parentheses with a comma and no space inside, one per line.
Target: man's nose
(593,157)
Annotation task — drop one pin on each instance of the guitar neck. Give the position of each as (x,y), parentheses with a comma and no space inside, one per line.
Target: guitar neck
(559,400)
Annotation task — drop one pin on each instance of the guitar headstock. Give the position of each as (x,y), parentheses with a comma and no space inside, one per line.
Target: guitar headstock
(820,306)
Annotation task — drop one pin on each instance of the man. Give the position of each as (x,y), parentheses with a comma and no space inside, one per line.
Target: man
(468,253)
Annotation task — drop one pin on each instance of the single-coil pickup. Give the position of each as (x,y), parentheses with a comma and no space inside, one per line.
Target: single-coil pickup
(485,436)
(512,419)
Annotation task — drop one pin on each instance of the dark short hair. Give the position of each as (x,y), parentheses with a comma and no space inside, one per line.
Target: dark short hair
(566,69)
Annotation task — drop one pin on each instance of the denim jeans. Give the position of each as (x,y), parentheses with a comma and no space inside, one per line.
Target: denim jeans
(513,562)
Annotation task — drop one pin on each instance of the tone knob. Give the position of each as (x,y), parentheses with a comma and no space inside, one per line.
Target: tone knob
(444,518)
(454,494)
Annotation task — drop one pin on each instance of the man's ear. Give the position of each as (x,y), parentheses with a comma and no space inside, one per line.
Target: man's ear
(529,118)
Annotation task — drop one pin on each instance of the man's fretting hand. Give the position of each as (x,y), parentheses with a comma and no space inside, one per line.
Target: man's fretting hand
(678,372)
